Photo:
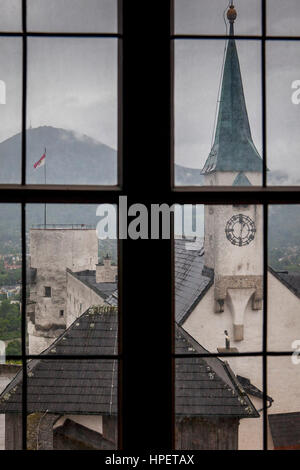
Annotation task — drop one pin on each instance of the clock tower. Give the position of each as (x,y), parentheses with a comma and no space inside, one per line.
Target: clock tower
(233,233)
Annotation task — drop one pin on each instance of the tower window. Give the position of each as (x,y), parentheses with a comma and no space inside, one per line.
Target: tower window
(61,313)
(47,291)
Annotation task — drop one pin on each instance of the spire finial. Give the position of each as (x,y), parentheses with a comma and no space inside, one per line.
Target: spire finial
(231,16)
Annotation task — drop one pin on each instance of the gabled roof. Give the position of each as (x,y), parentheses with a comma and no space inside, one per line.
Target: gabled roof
(72,386)
(241,180)
(207,386)
(87,277)
(204,387)
(191,283)
(233,148)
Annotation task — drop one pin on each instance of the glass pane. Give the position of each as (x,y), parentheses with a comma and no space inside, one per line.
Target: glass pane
(72,279)
(283,415)
(283,19)
(10,15)
(194,17)
(10,314)
(72,111)
(283,112)
(218,404)
(218,276)
(72,405)
(10,281)
(10,105)
(10,407)
(217,113)
(92,16)
(284,277)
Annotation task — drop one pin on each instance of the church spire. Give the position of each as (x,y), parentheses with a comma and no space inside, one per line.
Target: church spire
(233,148)
(231,16)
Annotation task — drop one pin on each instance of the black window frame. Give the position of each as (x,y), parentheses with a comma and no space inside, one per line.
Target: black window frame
(265,195)
(146,175)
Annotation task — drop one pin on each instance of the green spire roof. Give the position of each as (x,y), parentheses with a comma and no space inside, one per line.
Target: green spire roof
(241,180)
(233,148)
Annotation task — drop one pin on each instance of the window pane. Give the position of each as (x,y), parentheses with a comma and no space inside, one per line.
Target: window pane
(283,19)
(72,111)
(10,283)
(194,17)
(218,403)
(218,277)
(10,317)
(283,112)
(10,105)
(10,407)
(72,405)
(217,138)
(93,16)
(72,279)
(284,277)
(283,416)
(10,15)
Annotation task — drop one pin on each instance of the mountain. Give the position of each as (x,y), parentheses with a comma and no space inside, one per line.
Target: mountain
(72,158)
(188,176)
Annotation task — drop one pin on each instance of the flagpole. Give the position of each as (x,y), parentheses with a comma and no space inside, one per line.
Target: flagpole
(45,209)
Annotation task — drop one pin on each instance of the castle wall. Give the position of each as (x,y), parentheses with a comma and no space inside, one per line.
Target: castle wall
(52,251)
(79,298)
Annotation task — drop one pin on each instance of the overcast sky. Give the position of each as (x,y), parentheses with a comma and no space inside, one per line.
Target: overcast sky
(72,83)
(198,66)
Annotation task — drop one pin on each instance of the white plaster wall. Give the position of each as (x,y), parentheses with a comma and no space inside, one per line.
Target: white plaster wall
(4,381)
(237,260)
(207,328)
(226,178)
(283,317)
(79,298)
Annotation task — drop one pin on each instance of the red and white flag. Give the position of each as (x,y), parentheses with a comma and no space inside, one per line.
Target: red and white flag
(41,161)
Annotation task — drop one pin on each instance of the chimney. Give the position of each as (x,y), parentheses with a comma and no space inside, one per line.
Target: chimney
(105,272)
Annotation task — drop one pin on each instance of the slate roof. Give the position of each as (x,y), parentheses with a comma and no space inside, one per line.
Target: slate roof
(207,386)
(72,386)
(233,148)
(190,282)
(290,279)
(252,389)
(104,289)
(285,430)
(241,180)
(204,387)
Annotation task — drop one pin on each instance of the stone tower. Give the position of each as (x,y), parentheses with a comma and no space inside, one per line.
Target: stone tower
(52,251)
(233,234)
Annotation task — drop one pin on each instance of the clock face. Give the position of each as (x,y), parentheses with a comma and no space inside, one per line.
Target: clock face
(240,230)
